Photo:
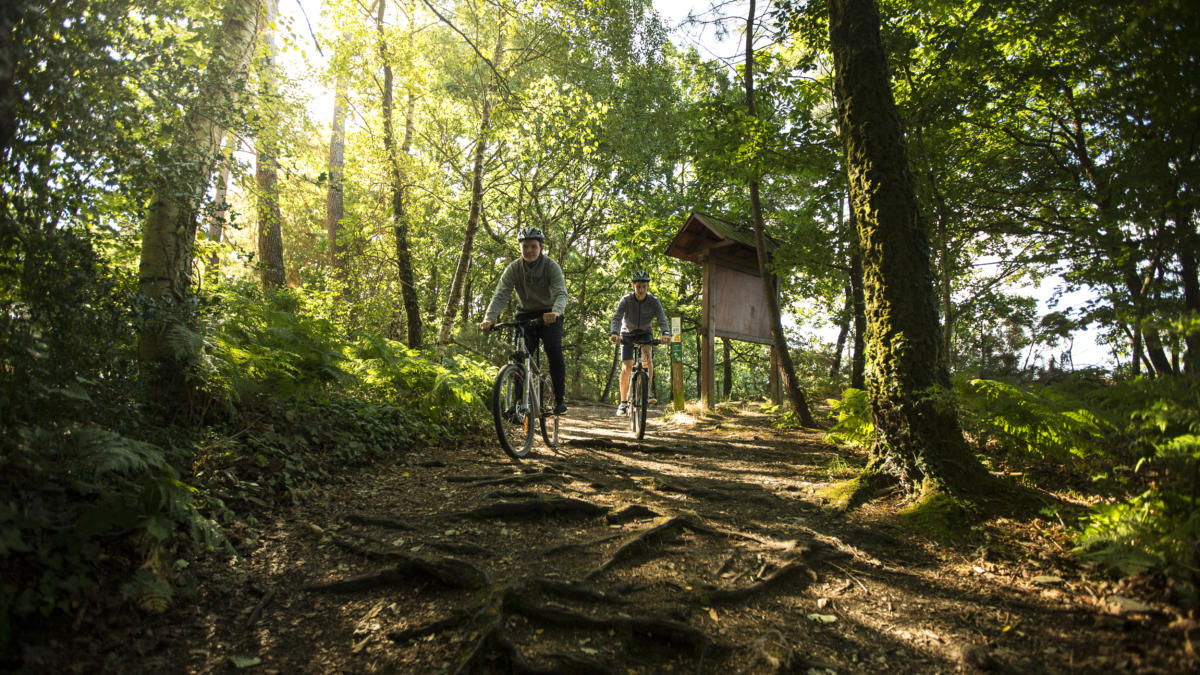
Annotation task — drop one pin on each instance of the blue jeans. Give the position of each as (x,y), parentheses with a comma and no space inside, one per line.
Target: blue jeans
(551,336)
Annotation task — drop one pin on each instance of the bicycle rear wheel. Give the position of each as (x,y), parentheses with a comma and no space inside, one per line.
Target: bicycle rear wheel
(514,423)
(548,420)
(637,391)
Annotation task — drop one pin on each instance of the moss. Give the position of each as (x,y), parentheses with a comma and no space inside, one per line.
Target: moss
(848,494)
(938,516)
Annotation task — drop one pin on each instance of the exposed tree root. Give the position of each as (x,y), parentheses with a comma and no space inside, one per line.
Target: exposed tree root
(631,513)
(453,621)
(519,600)
(647,539)
(358,519)
(787,572)
(573,590)
(407,568)
(534,508)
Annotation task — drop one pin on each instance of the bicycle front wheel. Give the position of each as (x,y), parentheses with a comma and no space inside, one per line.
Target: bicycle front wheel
(548,420)
(637,391)
(510,409)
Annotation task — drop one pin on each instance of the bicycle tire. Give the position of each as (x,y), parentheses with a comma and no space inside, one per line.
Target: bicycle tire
(513,428)
(639,402)
(548,420)
(636,395)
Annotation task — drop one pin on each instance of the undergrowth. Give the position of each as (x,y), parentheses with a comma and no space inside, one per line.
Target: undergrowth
(100,493)
(1138,440)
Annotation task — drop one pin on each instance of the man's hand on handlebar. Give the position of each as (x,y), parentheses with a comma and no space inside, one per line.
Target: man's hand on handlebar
(485,325)
(614,338)
(550,317)
(665,339)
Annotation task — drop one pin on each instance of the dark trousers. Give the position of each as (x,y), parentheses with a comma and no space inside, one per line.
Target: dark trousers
(551,336)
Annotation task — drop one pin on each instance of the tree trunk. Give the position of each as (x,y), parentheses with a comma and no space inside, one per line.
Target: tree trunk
(843,330)
(918,441)
(408,292)
(335,206)
(169,233)
(216,221)
(799,404)
(270,234)
(1151,339)
(858,364)
(464,259)
(1188,249)
(726,370)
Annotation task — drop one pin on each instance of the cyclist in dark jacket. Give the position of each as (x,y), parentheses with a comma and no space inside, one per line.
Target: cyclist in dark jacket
(633,317)
(541,292)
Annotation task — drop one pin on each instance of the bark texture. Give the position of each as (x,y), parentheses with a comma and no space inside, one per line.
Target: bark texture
(169,234)
(918,440)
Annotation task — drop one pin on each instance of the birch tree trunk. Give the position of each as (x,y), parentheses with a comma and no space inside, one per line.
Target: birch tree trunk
(335,208)
(169,233)
(918,441)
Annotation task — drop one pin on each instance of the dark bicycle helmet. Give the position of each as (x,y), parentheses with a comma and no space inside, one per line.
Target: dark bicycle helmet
(531,233)
(641,275)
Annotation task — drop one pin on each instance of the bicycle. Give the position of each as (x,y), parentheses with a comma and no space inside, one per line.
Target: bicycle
(639,384)
(518,384)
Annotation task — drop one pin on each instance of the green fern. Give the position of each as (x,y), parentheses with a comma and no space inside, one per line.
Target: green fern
(1025,423)
(854,423)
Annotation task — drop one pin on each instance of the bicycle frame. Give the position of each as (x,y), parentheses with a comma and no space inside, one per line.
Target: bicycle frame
(524,408)
(639,383)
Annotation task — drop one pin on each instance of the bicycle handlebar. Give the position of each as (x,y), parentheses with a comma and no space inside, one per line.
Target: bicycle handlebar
(643,340)
(527,323)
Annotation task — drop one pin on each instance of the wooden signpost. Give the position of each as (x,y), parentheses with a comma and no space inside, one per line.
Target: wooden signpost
(732,301)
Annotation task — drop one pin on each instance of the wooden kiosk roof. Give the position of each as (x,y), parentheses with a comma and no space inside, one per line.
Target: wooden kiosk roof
(701,233)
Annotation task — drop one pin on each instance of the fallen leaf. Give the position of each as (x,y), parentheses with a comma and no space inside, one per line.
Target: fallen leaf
(713,613)
(822,618)
(1046,579)
(1123,604)
(240,661)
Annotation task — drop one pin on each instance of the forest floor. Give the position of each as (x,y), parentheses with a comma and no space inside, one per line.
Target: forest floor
(704,548)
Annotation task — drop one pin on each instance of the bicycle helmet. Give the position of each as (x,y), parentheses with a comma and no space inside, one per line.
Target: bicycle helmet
(531,233)
(641,275)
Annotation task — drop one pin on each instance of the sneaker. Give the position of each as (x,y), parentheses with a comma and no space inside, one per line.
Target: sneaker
(560,406)
(652,401)
(623,408)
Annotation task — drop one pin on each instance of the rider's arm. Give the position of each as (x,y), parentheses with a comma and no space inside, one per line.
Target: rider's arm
(614,326)
(662,318)
(504,289)
(558,288)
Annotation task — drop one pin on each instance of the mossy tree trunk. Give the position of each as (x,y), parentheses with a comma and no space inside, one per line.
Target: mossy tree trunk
(918,441)
(169,234)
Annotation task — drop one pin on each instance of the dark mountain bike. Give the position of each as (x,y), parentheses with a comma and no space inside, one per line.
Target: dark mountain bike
(523,395)
(639,383)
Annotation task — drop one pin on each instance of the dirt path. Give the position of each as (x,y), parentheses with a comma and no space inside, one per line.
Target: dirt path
(702,549)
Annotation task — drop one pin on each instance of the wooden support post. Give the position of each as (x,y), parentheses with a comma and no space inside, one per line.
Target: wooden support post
(708,337)
(676,363)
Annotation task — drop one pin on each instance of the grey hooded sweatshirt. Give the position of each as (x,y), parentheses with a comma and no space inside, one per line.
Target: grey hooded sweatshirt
(540,286)
(632,315)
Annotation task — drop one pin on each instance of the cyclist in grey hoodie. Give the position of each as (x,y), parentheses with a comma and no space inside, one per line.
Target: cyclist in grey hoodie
(635,313)
(541,292)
